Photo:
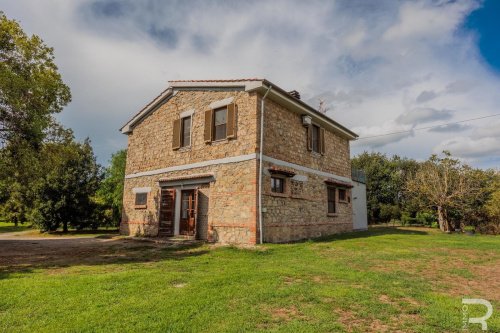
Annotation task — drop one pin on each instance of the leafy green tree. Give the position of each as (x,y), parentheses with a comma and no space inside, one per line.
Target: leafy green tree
(64,195)
(31,89)
(110,193)
(385,182)
(31,92)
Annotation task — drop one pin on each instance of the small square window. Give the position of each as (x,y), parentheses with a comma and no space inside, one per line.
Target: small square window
(277,185)
(141,199)
(220,124)
(186,132)
(342,194)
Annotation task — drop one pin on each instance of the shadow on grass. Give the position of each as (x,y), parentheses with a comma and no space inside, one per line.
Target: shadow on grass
(28,255)
(371,232)
(98,232)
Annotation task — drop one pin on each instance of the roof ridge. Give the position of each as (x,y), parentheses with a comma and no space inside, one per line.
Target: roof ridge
(219,80)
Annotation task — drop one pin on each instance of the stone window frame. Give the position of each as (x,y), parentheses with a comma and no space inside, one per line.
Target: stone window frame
(141,204)
(138,192)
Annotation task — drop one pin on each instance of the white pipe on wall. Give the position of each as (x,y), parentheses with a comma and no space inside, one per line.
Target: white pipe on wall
(261,149)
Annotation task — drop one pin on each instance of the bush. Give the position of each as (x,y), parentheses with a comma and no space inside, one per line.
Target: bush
(434,225)
(389,212)
(425,218)
(469,228)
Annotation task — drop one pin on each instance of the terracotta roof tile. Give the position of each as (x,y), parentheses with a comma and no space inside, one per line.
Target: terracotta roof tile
(229,80)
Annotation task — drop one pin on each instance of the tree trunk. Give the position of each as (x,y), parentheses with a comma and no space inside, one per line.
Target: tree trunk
(65,226)
(443,224)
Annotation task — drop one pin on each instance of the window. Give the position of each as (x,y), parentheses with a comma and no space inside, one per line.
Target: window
(332,209)
(186,132)
(141,199)
(315,139)
(220,124)
(342,194)
(277,185)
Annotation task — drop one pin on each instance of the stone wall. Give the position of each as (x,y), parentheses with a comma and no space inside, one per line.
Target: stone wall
(150,143)
(302,211)
(232,198)
(286,139)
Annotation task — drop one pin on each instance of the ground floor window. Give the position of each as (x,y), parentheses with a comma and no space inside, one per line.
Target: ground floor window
(277,185)
(332,207)
(141,199)
(342,194)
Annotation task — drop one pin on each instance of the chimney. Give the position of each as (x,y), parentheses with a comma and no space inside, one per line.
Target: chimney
(294,93)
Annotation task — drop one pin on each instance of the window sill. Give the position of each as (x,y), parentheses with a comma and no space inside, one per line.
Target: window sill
(281,195)
(332,214)
(141,206)
(218,142)
(343,201)
(183,149)
(316,154)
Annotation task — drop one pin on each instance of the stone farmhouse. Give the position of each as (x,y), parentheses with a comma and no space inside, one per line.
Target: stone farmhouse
(195,166)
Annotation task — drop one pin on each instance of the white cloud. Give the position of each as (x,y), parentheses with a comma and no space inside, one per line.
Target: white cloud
(370,61)
(467,147)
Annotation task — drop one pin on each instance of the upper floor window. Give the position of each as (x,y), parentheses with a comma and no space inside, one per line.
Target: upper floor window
(220,124)
(316,139)
(186,132)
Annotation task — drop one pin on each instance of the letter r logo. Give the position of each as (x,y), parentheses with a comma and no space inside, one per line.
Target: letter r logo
(480,320)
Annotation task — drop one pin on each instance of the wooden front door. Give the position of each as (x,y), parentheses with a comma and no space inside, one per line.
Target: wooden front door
(167,212)
(188,212)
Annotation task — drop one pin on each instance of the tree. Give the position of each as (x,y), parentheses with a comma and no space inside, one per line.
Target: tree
(443,184)
(385,181)
(31,92)
(31,89)
(110,193)
(64,194)
(493,203)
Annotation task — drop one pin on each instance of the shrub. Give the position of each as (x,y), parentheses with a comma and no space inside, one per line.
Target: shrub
(425,218)
(434,225)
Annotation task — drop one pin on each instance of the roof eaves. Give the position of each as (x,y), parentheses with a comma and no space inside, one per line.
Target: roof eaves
(127,128)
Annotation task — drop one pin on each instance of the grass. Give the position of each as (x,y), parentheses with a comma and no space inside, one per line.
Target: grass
(10,227)
(382,280)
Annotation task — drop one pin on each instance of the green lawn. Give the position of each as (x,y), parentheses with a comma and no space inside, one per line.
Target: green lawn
(383,280)
(10,227)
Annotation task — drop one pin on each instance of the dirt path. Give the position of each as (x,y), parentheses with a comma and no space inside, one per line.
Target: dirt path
(24,251)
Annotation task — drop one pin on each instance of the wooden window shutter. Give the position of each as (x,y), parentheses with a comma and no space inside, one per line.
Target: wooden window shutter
(231,121)
(208,125)
(322,141)
(309,137)
(176,134)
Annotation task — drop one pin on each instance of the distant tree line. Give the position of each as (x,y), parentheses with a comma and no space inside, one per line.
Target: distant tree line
(47,178)
(441,192)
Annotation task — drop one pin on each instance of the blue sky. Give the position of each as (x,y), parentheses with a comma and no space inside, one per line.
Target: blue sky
(381,66)
(486,22)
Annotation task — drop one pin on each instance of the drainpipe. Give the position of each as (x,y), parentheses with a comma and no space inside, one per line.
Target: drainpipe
(261,148)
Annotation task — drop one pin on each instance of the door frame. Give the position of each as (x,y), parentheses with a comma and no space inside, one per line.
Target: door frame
(177,214)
